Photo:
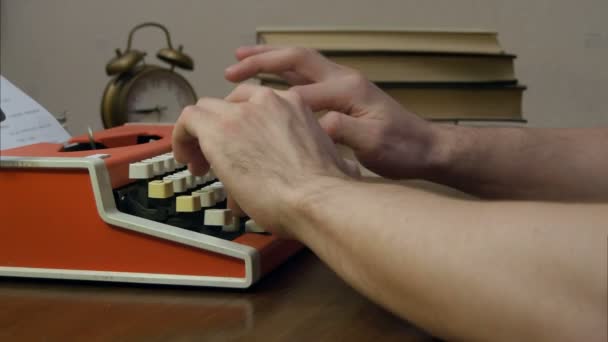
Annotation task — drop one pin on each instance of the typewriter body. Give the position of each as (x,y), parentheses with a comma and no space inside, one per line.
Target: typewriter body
(121,209)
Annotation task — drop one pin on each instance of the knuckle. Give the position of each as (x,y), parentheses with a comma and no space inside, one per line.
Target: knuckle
(242,89)
(309,51)
(297,90)
(250,61)
(299,53)
(265,92)
(295,98)
(357,82)
(188,120)
(202,101)
(295,50)
(243,86)
(332,124)
(189,111)
(357,79)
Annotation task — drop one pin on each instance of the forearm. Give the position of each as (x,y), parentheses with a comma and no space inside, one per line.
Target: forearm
(523,163)
(463,269)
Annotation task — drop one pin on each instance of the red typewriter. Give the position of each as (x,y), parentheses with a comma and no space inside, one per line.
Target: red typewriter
(119,208)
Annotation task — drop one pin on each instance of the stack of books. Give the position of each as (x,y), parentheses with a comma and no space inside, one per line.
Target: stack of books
(440,75)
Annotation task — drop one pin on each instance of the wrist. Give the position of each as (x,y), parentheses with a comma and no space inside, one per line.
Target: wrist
(446,142)
(304,203)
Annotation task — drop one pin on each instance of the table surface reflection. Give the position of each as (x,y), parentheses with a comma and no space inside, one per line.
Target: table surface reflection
(302,300)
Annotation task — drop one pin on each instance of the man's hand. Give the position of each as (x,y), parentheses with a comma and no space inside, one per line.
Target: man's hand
(386,138)
(507,163)
(263,144)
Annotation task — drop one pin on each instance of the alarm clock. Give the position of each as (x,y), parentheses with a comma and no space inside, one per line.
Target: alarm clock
(141,92)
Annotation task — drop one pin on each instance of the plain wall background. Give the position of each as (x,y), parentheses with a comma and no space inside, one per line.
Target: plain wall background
(57,50)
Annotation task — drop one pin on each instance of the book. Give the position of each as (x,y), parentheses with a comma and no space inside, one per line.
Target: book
(502,103)
(387,66)
(368,39)
(449,102)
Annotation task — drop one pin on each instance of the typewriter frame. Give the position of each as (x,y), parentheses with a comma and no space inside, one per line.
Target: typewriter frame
(249,256)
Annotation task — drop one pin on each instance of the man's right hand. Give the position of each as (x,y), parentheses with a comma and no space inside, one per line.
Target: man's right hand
(386,138)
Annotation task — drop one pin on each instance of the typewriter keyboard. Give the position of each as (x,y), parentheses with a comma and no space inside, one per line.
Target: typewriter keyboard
(163,190)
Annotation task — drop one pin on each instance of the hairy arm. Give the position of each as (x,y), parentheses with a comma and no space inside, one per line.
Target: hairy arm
(463,269)
(523,163)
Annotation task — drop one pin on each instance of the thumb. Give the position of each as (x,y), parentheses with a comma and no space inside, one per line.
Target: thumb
(352,168)
(345,129)
(234,206)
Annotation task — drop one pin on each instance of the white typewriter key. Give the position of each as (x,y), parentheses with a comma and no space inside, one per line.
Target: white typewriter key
(177,164)
(208,177)
(218,217)
(252,227)
(233,227)
(179,183)
(141,171)
(217,193)
(190,182)
(207,197)
(216,185)
(160,189)
(220,192)
(157,165)
(168,163)
(199,180)
(187,204)
(211,175)
(214,193)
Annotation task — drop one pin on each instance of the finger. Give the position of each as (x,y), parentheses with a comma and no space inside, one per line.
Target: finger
(346,130)
(236,209)
(328,95)
(293,78)
(289,76)
(185,142)
(305,62)
(250,50)
(188,129)
(339,94)
(198,164)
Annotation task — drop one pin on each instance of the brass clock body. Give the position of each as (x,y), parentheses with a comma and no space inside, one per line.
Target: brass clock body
(146,94)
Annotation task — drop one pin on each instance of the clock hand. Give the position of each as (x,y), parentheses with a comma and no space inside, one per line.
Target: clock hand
(156,109)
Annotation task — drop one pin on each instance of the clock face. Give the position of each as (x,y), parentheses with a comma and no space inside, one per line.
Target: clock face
(157,95)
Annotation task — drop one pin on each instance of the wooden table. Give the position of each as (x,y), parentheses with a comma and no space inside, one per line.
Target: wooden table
(301,301)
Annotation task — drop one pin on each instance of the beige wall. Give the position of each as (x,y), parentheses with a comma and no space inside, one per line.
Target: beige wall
(56,50)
